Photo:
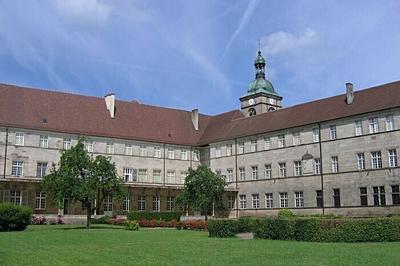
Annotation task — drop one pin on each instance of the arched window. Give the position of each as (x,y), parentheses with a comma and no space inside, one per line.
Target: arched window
(252,112)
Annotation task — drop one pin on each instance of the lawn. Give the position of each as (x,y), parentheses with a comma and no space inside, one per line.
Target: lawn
(106,245)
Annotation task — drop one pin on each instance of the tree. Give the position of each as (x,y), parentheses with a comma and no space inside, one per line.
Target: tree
(79,177)
(202,190)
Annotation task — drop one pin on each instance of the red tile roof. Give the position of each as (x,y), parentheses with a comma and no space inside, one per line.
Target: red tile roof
(75,114)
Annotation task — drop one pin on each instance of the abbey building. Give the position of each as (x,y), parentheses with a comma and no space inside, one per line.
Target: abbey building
(337,155)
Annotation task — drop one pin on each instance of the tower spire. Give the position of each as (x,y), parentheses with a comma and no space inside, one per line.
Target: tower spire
(259,65)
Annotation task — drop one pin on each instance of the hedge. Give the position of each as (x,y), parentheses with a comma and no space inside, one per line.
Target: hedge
(165,216)
(14,218)
(312,229)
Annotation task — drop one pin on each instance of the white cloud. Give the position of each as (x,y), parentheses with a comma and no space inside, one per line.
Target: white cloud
(85,10)
(281,42)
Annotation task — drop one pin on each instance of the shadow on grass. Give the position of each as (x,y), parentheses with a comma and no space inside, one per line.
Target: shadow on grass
(91,227)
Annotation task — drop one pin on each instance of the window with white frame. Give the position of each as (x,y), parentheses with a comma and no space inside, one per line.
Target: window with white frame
(142,176)
(88,146)
(229,149)
(269,200)
(296,138)
(376,160)
(128,149)
(16,197)
(67,143)
(283,200)
(255,201)
(196,155)
(379,196)
(282,169)
(184,154)
(41,169)
(128,174)
(373,125)
(240,147)
(281,141)
(40,201)
(267,143)
(217,152)
(360,161)
(17,168)
(43,141)
(142,150)
(317,166)
(297,168)
(254,172)
(253,146)
(110,148)
(389,123)
(170,203)
(126,204)
(171,153)
(268,171)
(156,203)
(299,199)
(107,204)
(19,139)
(392,158)
(184,174)
(242,201)
(332,132)
(171,177)
(335,164)
(157,152)
(230,174)
(316,135)
(242,174)
(156,175)
(231,201)
(358,128)
(141,202)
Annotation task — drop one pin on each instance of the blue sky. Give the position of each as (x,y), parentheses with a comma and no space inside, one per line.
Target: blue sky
(198,54)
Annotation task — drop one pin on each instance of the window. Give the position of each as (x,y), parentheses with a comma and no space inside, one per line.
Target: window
(316,135)
(267,143)
(317,166)
(142,176)
(157,176)
(281,141)
(358,128)
(171,177)
(40,201)
(269,200)
(282,169)
(67,143)
(253,145)
(128,172)
(335,164)
(19,139)
(142,150)
(89,146)
(240,147)
(373,125)
(217,152)
(360,161)
(379,196)
(196,155)
(395,195)
(229,149)
(268,171)
(170,203)
(332,132)
(297,168)
(255,201)
(17,168)
(254,172)
(157,151)
(156,203)
(107,205)
(171,153)
(183,176)
(141,203)
(231,201)
(299,199)
(16,197)
(230,175)
(184,155)
(242,201)
(41,169)
(242,174)
(376,159)
(389,123)
(128,149)
(319,198)
(296,138)
(363,196)
(336,197)
(126,204)
(392,158)
(110,148)
(218,171)
(43,141)
(283,200)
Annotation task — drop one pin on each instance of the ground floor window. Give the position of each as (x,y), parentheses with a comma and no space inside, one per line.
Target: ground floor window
(336,198)
(231,201)
(16,197)
(395,195)
(126,204)
(156,203)
(379,196)
(141,203)
(283,199)
(242,201)
(299,199)
(319,198)
(269,201)
(170,203)
(40,201)
(363,196)
(255,198)
(107,205)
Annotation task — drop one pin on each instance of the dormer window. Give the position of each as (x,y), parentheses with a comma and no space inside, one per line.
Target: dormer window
(252,112)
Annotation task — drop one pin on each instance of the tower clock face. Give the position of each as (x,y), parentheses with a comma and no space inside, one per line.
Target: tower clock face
(251,101)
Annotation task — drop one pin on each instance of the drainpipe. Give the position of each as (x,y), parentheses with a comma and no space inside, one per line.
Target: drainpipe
(236,180)
(5,155)
(164,166)
(322,168)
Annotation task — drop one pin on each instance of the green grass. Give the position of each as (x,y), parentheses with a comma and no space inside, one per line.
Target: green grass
(107,245)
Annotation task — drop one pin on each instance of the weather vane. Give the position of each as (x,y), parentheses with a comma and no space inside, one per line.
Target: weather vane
(259,44)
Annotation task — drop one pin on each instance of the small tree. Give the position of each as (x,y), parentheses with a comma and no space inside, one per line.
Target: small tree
(202,190)
(81,178)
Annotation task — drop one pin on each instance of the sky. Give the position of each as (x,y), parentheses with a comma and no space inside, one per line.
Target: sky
(199,54)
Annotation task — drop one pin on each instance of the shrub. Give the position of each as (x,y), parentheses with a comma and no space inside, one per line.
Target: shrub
(274,228)
(307,229)
(165,216)
(246,224)
(14,218)
(222,228)
(194,225)
(116,221)
(38,219)
(100,220)
(131,225)
(285,213)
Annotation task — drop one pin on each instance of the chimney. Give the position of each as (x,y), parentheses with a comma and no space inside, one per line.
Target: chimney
(349,93)
(110,103)
(195,119)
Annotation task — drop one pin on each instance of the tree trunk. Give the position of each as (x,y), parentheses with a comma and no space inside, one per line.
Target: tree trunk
(88,213)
